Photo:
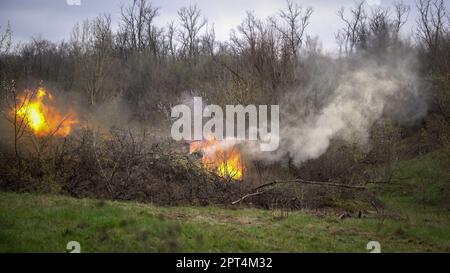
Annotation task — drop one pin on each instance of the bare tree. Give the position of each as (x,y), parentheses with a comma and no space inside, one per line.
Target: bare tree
(375,32)
(209,40)
(401,16)
(102,54)
(191,24)
(257,47)
(138,31)
(353,26)
(5,46)
(13,105)
(431,22)
(295,21)
(5,40)
(433,33)
(171,31)
(153,33)
(379,30)
(93,46)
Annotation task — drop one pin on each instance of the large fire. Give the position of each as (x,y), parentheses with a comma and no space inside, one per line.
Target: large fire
(223,158)
(40,114)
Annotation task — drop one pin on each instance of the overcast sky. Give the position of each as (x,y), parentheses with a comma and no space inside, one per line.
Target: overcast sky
(54,19)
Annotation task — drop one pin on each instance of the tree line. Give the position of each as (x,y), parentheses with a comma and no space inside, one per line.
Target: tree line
(147,63)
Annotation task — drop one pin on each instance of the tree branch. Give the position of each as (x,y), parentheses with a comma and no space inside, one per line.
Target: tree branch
(260,189)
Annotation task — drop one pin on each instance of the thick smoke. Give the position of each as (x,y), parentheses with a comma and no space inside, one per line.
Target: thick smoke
(343,98)
(344,102)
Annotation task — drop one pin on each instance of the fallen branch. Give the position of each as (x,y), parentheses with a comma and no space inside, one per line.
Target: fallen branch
(301,181)
(248,195)
(259,190)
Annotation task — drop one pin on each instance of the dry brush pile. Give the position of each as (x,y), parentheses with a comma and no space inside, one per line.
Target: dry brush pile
(119,165)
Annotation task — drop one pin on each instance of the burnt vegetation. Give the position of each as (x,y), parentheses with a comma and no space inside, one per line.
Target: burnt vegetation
(151,68)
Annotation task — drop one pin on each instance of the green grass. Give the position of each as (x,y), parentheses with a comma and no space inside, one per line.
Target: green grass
(424,180)
(45,223)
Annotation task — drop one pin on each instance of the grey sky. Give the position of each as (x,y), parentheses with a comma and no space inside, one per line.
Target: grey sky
(54,19)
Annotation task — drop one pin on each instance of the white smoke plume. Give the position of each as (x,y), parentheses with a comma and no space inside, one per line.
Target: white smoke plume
(343,98)
(350,103)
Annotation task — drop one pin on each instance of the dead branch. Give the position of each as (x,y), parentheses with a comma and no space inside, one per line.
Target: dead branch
(302,181)
(259,190)
(248,195)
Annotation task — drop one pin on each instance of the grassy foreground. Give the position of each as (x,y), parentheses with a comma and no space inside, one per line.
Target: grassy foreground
(417,198)
(45,223)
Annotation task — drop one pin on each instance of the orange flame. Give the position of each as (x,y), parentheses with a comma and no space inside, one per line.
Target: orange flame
(39,113)
(223,158)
